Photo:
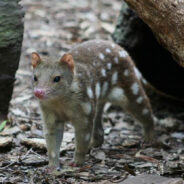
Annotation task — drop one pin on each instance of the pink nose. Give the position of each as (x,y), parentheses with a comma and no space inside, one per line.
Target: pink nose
(40,93)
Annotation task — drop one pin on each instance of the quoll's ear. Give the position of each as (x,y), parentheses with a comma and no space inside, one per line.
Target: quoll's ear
(35,59)
(68,60)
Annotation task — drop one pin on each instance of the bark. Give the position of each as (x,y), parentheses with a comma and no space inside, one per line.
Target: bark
(156,63)
(11,35)
(166,20)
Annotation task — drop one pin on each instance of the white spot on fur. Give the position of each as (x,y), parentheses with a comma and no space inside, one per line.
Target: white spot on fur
(89,49)
(97,90)
(113,45)
(109,66)
(103,72)
(144,81)
(101,56)
(117,92)
(135,88)
(139,100)
(126,72)
(74,86)
(137,73)
(86,108)
(123,53)
(155,119)
(145,111)
(53,154)
(104,88)
(114,78)
(107,50)
(89,92)
(116,60)
(87,137)
(117,95)
(79,74)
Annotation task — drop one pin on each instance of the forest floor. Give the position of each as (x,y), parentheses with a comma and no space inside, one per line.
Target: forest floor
(52,28)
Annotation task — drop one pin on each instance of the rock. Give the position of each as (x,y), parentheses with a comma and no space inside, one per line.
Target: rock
(24,127)
(5,141)
(37,143)
(152,179)
(98,154)
(168,122)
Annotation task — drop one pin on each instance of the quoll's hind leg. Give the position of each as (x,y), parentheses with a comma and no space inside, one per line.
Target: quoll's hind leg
(98,133)
(139,106)
(135,101)
(143,113)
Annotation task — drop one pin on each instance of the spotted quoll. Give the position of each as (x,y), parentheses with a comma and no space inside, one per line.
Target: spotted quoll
(76,88)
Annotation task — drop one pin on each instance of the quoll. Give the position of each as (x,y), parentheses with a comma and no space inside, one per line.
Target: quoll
(76,88)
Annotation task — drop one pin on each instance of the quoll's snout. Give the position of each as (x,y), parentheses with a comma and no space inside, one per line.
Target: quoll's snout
(40,93)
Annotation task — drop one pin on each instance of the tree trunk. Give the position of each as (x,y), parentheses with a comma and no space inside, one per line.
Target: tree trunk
(156,63)
(166,20)
(11,35)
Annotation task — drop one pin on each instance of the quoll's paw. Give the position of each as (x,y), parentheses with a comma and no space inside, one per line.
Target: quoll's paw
(52,169)
(152,141)
(149,139)
(75,164)
(149,135)
(49,170)
(156,142)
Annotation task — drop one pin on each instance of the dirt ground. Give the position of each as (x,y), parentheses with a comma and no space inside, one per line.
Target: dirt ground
(51,28)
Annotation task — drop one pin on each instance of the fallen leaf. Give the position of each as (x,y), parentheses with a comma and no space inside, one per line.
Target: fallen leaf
(10,131)
(2,125)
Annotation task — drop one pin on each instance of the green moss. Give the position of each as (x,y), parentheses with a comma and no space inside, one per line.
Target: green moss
(11,26)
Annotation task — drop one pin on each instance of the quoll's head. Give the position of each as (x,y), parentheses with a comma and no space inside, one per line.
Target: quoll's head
(52,78)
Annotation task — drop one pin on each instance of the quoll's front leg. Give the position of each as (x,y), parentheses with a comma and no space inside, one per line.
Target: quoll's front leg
(53,133)
(83,130)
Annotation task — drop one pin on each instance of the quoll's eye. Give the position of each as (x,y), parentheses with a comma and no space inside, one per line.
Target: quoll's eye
(35,78)
(57,79)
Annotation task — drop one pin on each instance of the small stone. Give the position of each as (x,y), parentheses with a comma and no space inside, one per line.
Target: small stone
(5,141)
(24,127)
(34,142)
(150,179)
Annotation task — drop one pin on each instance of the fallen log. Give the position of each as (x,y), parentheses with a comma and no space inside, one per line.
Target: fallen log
(166,20)
(155,62)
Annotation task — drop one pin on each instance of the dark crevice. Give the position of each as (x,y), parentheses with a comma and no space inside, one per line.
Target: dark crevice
(155,62)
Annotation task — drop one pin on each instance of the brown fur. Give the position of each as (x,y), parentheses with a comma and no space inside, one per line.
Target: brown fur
(95,72)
